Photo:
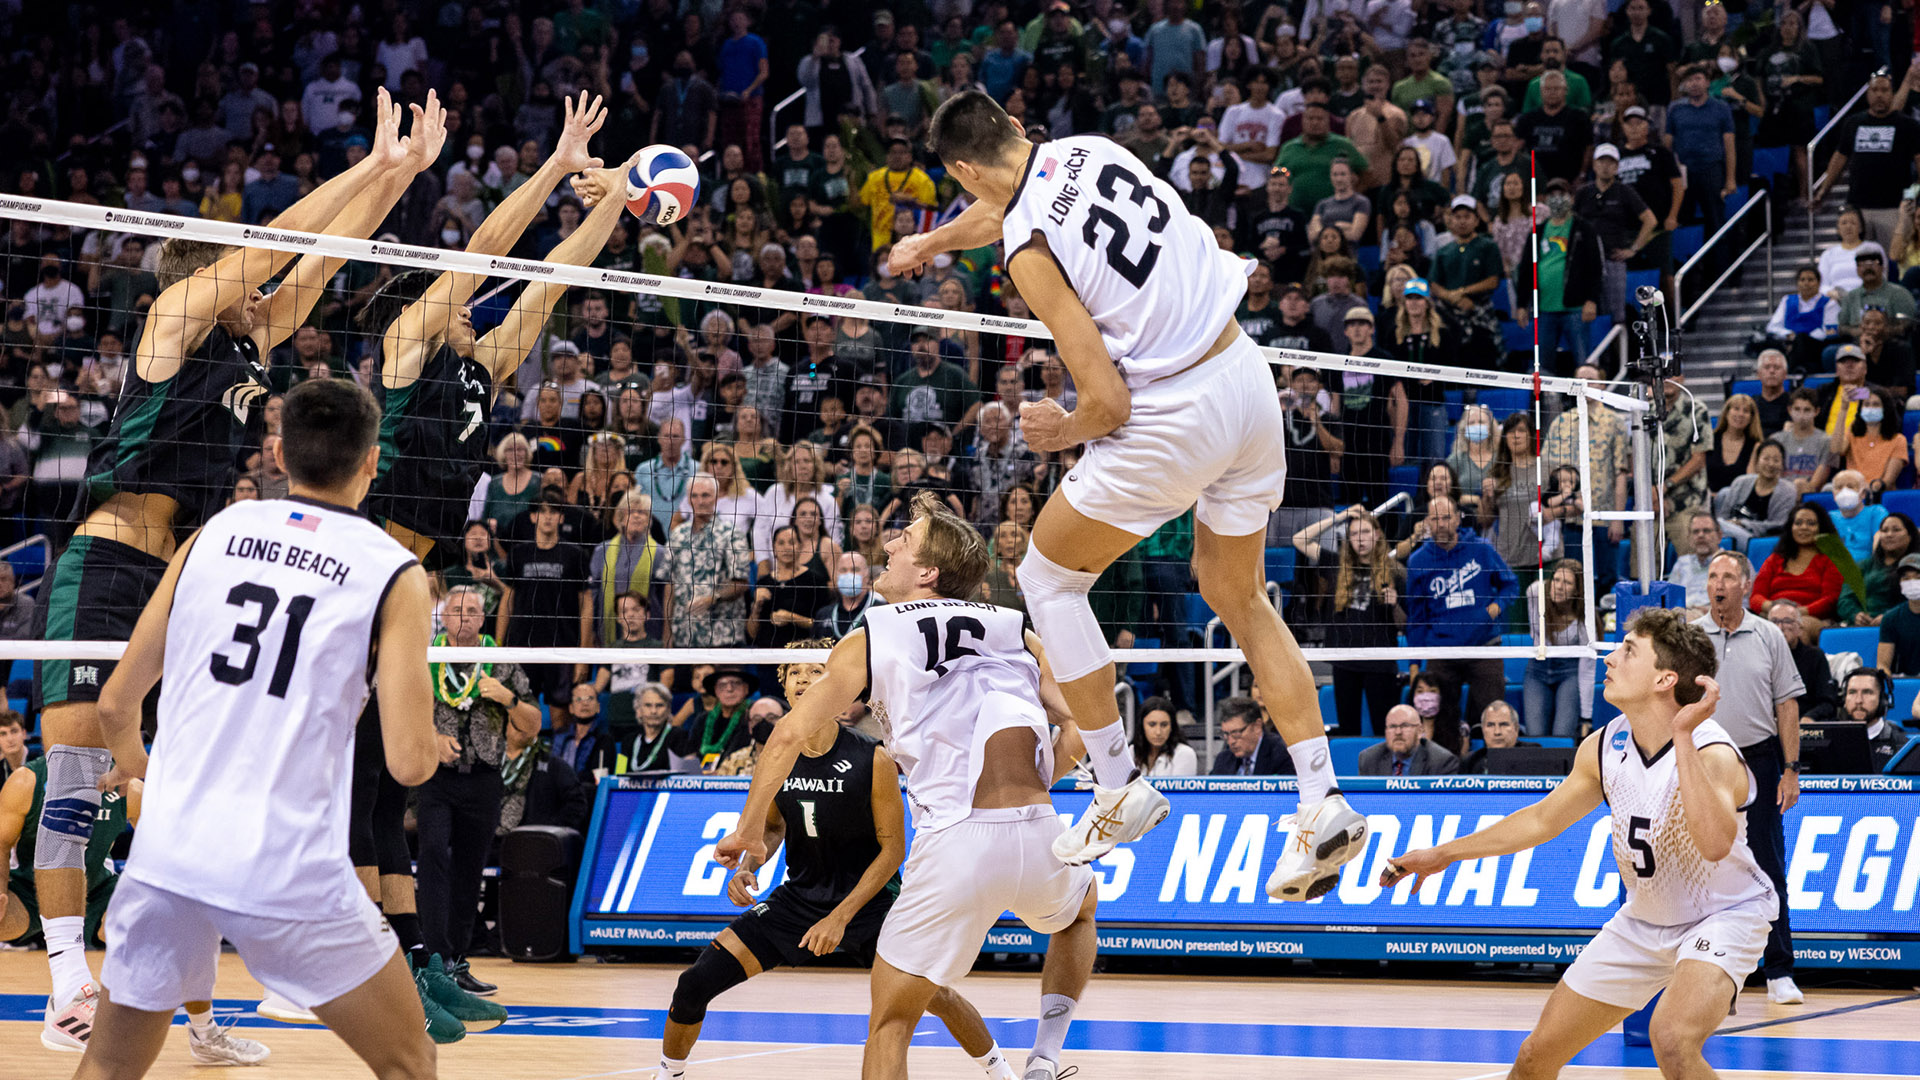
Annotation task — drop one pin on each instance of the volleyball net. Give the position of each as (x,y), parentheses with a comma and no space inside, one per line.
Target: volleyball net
(819,411)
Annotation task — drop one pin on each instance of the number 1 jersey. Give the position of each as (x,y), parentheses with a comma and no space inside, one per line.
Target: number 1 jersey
(1157,284)
(268,664)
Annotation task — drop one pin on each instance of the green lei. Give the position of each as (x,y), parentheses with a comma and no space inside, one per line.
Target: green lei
(712,746)
(452,689)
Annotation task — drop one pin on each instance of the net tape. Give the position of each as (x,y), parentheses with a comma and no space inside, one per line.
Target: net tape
(54,212)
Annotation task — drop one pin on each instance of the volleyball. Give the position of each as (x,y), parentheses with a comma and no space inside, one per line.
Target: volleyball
(662,185)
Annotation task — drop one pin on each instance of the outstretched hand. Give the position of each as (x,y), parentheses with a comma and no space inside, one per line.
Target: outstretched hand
(595,185)
(428,135)
(582,123)
(1692,716)
(389,150)
(1422,864)
(910,253)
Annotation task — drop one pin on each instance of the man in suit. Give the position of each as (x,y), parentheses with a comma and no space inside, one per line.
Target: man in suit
(1406,751)
(1251,750)
(1499,730)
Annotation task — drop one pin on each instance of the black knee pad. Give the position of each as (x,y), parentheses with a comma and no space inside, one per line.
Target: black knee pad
(714,973)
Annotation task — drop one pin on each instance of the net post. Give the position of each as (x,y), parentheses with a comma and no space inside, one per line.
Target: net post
(1586,519)
(1646,559)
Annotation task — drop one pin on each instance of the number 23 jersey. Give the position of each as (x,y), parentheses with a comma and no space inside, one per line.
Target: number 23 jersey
(1159,287)
(268,663)
(1668,881)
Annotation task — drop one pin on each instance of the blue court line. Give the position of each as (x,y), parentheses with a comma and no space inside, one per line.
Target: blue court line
(1336,1042)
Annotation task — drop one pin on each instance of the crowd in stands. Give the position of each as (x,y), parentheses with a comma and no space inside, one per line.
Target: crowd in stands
(688,473)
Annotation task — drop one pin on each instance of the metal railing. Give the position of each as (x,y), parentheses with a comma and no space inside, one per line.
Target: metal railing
(1839,114)
(1758,198)
(38,540)
(777,142)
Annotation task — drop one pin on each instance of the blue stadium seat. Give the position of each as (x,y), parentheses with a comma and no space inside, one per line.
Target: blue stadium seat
(1815,382)
(1373,304)
(1403,478)
(1638,278)
(29,563)
(1687,239)
(1904,691)
(1902,502)
(1515,666)
(1771,162)
(1280,562)
(1456,404)
(1910,425)
(1345,753)
(1824,499)
(1327,717)
(1517,337)
(1749,387)
(1864,640)
(1503,401)
(1758,549)
(1597,329)
(1737,200)
(1555,742)
(1368,257)
(1821,114)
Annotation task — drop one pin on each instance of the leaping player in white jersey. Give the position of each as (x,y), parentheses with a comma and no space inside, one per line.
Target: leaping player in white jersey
(1176,406)
(962,692)
(268,624)
(1698,908)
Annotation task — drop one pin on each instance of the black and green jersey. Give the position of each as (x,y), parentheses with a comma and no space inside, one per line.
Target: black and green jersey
(182,437)
(433,448)
(108,823)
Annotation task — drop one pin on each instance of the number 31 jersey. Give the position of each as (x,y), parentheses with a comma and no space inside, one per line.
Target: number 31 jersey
(1158,286)
(268,663)
(1668,881)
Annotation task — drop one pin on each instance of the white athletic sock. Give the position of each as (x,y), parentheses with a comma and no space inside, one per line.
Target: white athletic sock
(201,1023)
(67,956)
(671,1067)
(1313,765)
(1056,1012)
(1107,755)
(996,1064)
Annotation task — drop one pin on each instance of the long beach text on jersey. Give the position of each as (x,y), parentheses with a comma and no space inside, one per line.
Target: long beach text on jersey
(1158,286)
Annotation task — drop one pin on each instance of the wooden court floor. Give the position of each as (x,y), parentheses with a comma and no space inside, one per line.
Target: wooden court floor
(588,1021)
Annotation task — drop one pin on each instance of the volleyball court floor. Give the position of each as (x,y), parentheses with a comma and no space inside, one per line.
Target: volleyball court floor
(587,1021)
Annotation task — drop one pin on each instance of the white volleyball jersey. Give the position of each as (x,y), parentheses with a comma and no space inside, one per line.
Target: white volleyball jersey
(943,677)
(1668,881)
(1149,272)
(268,663)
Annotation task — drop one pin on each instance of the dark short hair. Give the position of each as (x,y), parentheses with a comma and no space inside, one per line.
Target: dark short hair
(1242,708)
(970,127)
(326,428)
(1679,647)
(9,718)
(395,296)
(180,257)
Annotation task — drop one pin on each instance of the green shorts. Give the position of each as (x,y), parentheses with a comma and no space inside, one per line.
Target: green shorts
(96,593)
(98,897)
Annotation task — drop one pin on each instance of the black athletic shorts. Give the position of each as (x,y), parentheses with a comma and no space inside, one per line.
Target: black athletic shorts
(96,593)
(772,929)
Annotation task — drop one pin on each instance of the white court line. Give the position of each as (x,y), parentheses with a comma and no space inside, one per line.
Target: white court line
(1488,1076)
(706,1061)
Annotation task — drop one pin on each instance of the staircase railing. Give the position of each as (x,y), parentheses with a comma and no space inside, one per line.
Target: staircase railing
(1813,144)
(1729,234)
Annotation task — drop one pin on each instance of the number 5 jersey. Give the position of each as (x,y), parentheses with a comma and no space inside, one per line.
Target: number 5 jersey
(269,659)
(1668,881)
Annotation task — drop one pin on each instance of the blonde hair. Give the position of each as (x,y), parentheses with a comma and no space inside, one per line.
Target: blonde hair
(179,258)
(1752,430)
(513,439)
(951,547)
(735,487)
(787,481)
(1403,323)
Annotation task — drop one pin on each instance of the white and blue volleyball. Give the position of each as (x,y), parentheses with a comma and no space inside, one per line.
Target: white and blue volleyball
(662,185)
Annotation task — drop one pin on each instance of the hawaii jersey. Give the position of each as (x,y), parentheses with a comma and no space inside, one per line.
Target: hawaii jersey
(831,839)
(1668,881)
(268,662)
(182,437)
(433,447)
(1159,288)
(945,676)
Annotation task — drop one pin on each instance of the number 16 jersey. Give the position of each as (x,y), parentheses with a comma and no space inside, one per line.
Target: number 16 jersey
(1159,287)
(268,663)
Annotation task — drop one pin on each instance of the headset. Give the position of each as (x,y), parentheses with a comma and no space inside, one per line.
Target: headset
(1885,683)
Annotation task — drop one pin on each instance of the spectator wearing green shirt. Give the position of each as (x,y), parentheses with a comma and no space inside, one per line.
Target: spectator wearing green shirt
(1467,267)
(932,390)
(1166,558)
(1553,57)
(1309,157)
(1571,266)
(1422,82)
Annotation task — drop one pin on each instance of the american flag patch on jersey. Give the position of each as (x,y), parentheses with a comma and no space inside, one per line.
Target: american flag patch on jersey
(309,522)
(1046,168)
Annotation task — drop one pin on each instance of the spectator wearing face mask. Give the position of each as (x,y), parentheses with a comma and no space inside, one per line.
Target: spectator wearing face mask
(1853,519)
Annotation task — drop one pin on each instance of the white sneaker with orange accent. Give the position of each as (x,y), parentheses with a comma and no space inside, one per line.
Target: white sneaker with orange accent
(67,1028)
(1117,816)
(1326,836)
